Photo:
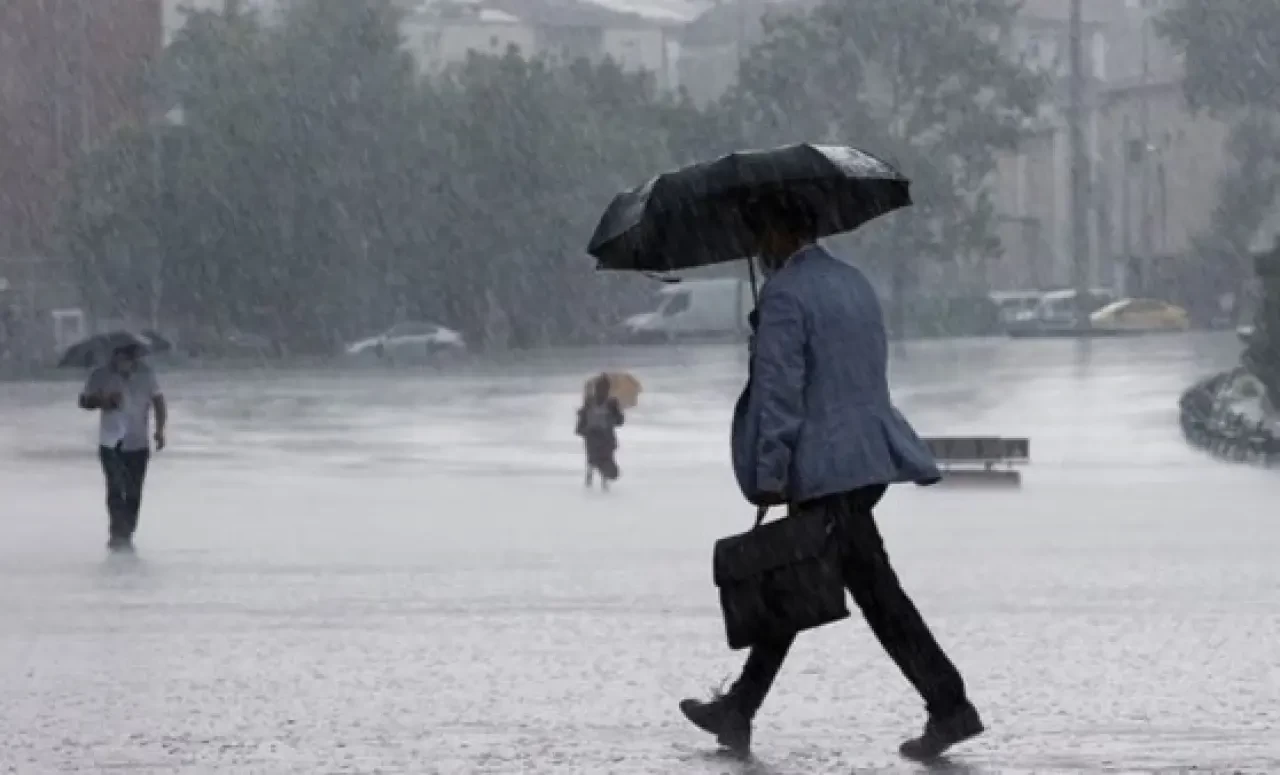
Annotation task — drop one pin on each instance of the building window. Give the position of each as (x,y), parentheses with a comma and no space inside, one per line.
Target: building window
(574,42)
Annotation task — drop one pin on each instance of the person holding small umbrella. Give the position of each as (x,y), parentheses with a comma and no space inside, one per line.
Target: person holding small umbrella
(815,428)
(123,393)
(599,417)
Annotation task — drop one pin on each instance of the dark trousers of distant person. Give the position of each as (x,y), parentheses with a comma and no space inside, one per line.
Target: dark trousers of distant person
(125,471)
(601,448)
(888,611)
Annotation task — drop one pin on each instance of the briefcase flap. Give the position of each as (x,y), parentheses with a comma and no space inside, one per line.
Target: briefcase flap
(770,546)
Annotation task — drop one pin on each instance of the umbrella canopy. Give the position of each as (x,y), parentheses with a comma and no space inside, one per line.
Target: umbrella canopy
(622,386)
(692,217)
(97,350)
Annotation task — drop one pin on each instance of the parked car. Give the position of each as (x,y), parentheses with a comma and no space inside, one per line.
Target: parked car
(410,341)
(1057,313)
(1011,304)
(1138,316)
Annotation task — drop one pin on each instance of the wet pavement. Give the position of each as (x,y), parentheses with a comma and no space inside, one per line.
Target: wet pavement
(401,572)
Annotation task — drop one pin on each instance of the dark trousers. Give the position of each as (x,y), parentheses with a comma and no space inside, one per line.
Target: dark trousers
(890,613)
(125,471)
(601,449)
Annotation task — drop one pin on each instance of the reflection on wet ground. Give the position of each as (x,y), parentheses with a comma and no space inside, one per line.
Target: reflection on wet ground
(484,420)
(400,572)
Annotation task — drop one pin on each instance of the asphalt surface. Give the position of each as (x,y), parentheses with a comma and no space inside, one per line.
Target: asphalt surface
(401,572)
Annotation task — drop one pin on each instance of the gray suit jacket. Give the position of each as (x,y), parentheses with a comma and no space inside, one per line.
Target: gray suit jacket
(815,417)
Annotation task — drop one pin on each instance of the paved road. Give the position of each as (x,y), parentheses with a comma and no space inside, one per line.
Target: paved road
(402,573)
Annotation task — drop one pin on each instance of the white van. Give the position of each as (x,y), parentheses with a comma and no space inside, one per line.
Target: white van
(1014,304)
(694,309)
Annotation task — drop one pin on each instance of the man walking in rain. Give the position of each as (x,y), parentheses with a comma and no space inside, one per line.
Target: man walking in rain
(816,430)
(123,393)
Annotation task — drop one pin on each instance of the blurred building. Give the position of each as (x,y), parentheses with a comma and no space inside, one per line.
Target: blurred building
(70,72)
(1032,187)
(1153,164)
(713,44)
(638,35)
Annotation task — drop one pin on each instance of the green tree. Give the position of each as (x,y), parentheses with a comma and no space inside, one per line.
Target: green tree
(290,206)
(1247,194)
(930,86)
(1231,52)
(320,188)
(1231,58)
(539,150)
(345,142)
(181,223)
(209,239)
(109,223)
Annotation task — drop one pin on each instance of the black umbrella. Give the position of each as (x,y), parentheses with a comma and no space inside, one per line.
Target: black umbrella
(692,216)
(97,350)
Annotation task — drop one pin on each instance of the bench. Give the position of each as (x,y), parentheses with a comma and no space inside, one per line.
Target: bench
(979,451)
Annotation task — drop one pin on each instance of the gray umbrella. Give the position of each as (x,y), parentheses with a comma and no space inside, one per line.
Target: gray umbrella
(96,350)
(692,216)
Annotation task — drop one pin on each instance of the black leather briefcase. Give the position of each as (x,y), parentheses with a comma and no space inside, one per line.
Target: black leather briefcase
(779,578)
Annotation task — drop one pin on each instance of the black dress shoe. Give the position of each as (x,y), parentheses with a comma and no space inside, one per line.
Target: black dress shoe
(940,733)
(722,718)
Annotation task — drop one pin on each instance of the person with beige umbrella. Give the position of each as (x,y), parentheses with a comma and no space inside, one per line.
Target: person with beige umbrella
(599,417)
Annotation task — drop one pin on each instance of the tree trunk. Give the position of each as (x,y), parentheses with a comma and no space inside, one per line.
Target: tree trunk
(1262,357)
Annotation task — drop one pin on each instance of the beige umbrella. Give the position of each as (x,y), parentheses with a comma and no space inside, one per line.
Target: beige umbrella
(622,386)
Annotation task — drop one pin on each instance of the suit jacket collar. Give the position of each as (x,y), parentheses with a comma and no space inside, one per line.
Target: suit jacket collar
(801,256)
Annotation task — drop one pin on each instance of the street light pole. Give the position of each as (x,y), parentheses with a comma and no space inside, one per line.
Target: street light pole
(1146,226)
(1125,268)
(740,42)
(1080,247)
(83,103)
(157,234)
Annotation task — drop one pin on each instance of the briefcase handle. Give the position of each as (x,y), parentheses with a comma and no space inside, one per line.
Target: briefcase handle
(761,511)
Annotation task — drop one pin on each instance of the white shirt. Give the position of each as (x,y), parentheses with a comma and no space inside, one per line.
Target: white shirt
(129,426)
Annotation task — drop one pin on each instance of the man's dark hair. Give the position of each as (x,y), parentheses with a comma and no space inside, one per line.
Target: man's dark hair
(780,210)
